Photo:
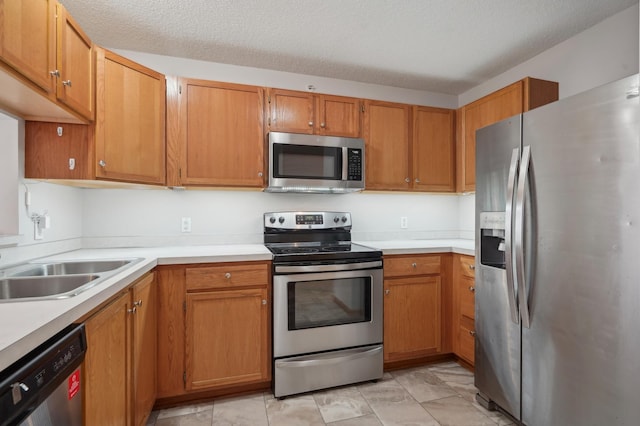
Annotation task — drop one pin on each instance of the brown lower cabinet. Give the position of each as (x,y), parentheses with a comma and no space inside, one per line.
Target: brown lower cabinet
(464,307)
(119,374)
(215,322)
(417,306)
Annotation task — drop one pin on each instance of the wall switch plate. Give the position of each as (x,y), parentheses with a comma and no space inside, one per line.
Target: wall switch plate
(404,222)
(186,224)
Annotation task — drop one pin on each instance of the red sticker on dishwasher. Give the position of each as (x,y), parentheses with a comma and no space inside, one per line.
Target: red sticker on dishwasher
(73,384)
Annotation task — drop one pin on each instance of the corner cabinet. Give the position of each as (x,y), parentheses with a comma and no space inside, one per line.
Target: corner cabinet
(46,63)
(417,306)
(217,322)
(464,307)
(308,113)
(120,363)
(215,134)
(125,144)
(519,97)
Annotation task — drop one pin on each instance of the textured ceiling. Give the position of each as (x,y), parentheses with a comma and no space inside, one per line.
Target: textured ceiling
(445,46)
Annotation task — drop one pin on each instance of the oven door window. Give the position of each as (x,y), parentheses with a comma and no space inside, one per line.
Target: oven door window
(307,162)
(323,303)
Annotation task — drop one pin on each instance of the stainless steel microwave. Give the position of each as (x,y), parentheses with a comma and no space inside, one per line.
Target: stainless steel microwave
(312,163)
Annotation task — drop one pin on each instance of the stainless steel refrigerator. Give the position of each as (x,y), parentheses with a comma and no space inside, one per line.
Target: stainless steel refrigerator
(558,261)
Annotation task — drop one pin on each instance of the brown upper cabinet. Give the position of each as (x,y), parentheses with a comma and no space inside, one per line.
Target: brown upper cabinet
(302,112)
(519,97)
(45,50)
(215,134)
(125,144)
(409,147)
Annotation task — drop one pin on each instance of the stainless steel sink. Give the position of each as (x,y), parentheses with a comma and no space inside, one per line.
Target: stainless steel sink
(49,287)
(69,268)
(56,280)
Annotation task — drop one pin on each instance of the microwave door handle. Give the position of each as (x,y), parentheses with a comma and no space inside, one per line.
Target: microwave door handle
(345,160)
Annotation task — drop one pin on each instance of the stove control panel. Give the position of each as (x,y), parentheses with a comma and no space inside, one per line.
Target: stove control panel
(307,220)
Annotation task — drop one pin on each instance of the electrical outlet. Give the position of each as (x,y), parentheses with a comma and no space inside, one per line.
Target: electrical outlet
(404,222)
(186,224)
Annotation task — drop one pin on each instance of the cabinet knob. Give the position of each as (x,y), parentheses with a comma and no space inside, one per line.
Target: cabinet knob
(138,303)
(407,180)
(417,180)
(472,288)
(227,275)
(54,73)
(259,174)
(102,163)
(66,83)
(132,310)
(264,301)
(414,264)
(472,267)
(322,125)
(311,124)
(472,333)
(386,291)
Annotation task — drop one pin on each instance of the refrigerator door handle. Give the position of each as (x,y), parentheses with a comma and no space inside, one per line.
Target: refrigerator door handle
(508,246)
(519,236)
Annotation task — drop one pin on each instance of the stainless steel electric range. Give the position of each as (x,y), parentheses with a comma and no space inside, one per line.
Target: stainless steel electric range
(327,302)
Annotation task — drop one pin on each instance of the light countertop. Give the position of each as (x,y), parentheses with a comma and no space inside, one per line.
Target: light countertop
(25,325)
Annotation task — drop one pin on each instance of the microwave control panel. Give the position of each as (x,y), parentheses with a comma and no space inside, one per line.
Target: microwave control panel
(354,164)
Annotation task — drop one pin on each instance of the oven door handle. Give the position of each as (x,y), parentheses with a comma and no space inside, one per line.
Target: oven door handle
(329,268)
(330,360)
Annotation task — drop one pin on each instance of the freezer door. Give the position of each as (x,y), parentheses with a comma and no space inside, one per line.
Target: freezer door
(497,353)
(580,355)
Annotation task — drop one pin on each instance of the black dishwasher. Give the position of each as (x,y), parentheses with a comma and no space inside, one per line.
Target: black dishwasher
(43,388)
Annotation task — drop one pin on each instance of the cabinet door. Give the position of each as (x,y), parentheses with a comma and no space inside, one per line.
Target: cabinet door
(386,134)
(291,111)
(28,39)
(338,116)
(130,124)
(433,149)
(226,338)
(106,365)
(221,140)
(143,296)
(75,60)
(411,317)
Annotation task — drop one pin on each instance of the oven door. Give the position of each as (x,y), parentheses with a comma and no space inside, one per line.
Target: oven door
(324,311)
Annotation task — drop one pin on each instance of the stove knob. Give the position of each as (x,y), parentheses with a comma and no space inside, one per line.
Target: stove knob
(336,219)
(344,219)
(272,219)
(281,219)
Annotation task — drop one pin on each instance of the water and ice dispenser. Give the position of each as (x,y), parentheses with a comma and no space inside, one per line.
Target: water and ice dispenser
(492,225)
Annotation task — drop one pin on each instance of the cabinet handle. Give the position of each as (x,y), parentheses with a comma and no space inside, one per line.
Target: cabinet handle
(472,267)
(472,288)
(102,163)
(386,291)
(407,180)
(472,333)
(132,310)
(322,125)
(227,275)
(54,73)
(415,265)
(417,180)
(311,124)
(259,174)
(66,83)
(138,303)
(264,301)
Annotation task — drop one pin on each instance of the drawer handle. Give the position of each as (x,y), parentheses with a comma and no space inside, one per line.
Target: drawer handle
(472,333)
(472,288)
(415,265)
(227,275)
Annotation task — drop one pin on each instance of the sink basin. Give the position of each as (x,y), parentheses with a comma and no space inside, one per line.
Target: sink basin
(68,268)
(45,287)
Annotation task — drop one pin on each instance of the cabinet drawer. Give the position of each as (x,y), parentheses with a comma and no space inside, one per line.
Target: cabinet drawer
(467,340)
(466,290)
(411,265)
(227,276)
(468,266)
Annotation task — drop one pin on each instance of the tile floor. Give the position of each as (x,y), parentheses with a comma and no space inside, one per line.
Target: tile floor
(438,394)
